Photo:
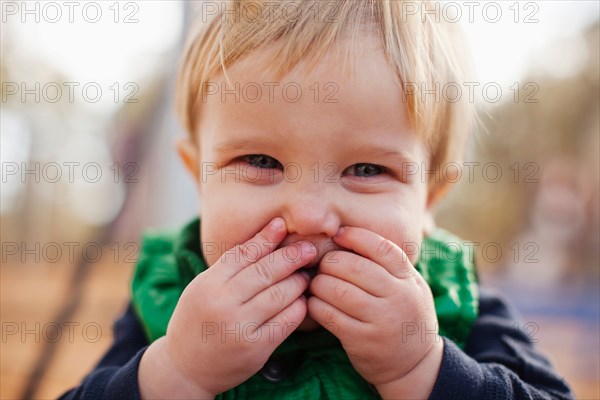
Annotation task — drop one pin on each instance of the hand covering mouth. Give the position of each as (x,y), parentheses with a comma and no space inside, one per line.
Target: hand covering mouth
(323,245)
(312,269)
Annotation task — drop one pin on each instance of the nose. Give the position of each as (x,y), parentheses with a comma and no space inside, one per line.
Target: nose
(310,212)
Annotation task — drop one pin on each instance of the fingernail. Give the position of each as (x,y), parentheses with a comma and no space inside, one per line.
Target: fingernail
(308,248)
(277,224)
(340,231)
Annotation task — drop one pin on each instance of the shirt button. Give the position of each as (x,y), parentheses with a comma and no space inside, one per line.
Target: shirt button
(275,369)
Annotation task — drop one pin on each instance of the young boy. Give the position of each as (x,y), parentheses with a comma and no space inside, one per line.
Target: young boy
(309,275)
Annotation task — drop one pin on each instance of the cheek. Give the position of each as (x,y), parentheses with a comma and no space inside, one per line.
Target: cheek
(408,236)
(228,219)
(400,222)
(411,237)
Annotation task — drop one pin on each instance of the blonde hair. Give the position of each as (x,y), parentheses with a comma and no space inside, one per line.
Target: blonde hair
(422,52)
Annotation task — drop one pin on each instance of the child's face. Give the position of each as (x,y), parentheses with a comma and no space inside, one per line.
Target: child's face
(323,164)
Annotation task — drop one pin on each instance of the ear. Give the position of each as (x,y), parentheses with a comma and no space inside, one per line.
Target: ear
(438,190)
(189,154)
(435,194)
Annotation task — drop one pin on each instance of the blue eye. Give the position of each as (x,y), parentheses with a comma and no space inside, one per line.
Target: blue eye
(262,161)
(366,170)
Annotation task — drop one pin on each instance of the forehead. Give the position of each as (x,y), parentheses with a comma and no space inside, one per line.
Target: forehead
(337,97)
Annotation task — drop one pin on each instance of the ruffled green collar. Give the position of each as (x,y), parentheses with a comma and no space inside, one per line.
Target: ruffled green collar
(169,261)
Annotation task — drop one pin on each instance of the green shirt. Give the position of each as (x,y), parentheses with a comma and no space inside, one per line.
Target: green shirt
(320,367)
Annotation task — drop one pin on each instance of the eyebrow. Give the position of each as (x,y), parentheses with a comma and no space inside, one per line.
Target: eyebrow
(237,144)
(378,151)
(251,143)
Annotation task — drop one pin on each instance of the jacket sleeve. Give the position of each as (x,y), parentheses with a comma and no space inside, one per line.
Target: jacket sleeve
(499,360)
(115,376)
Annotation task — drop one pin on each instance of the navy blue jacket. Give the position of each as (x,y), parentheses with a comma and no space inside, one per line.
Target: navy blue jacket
(499,361)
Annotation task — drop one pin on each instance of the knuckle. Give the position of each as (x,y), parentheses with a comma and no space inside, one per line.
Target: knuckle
(340,291)
(263,272)
(277,295)
(362,265)
(248,252)
(408,272)
(228,255)
(385,248)
(419,280)
(329,316)
(266,235)
(287,321)
(292,254)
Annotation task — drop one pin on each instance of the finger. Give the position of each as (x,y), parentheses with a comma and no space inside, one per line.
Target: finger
(376,248)
(344,296)
(261,244)
(358,270)
(276,298)
(271,269)
(280,326)
(332,319)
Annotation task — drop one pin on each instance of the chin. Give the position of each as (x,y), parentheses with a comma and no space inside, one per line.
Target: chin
(308,324)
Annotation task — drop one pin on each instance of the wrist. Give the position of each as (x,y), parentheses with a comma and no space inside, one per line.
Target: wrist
(418,382)
(159,378)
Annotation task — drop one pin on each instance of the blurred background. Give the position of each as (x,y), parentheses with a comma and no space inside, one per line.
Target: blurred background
(88,163)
